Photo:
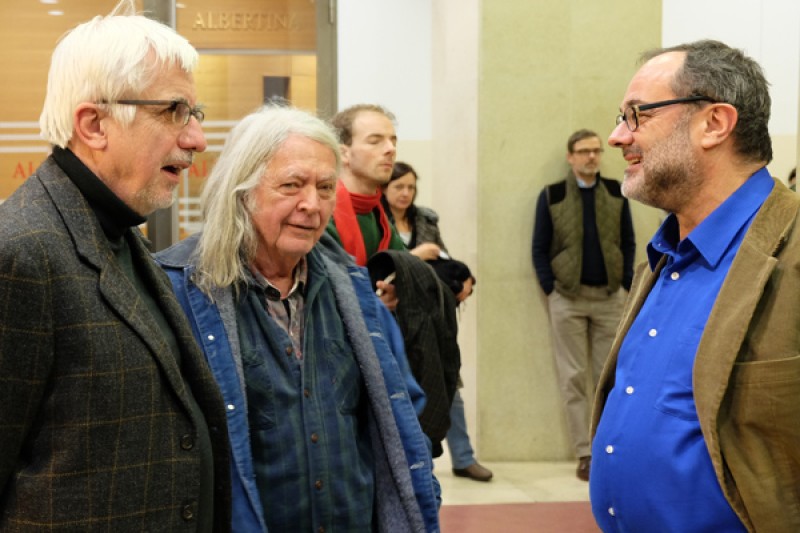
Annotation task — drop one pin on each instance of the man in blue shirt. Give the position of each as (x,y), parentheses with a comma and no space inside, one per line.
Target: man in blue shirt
(695,423)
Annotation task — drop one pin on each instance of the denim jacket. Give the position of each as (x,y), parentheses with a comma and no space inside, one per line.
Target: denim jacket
(407,493)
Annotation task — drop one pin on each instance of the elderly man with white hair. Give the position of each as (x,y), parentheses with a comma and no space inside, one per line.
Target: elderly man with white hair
(322,409)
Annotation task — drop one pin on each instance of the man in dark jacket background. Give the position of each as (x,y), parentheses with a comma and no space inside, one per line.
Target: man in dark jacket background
(583,252)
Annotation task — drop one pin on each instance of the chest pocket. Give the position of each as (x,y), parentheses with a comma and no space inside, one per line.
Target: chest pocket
(260,390)
(676,397)
(344,375)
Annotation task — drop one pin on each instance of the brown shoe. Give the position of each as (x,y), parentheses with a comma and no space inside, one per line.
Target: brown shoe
(584,466)
(474,471)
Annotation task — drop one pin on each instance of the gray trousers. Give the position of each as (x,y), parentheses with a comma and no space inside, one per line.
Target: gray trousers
(583,330)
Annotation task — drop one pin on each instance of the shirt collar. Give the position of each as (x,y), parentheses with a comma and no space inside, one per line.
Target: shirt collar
(300,279)
(583,184)
(712,237)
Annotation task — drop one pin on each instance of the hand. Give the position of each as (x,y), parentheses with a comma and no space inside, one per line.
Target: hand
(466,292)
(427,251)
(387,293)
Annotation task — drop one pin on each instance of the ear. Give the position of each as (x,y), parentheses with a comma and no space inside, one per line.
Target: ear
(719,121)
(90,126)
(345,154)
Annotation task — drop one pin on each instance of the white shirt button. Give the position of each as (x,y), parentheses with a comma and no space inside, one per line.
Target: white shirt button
(652,332)
(675,276)
(609,449)
(611,511)
(211,337)
(629,389)
(231,407)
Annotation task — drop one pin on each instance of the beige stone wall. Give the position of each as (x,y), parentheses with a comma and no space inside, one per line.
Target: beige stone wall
(512,80)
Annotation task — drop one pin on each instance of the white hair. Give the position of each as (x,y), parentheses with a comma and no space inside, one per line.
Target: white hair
(229,241)
(105,59)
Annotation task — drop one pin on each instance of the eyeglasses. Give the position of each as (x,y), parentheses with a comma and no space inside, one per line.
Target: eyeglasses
(181,111)
(587,151)
(631,114)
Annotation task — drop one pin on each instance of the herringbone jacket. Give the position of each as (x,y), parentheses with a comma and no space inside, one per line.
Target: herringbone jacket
(96,432)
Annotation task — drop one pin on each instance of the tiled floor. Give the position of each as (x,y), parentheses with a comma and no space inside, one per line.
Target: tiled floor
(521,498)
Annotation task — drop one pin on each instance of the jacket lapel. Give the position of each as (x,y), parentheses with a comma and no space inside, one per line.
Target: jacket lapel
(92,246)
(735,306)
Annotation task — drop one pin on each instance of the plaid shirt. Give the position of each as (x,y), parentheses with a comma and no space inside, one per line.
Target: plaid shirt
(287,312)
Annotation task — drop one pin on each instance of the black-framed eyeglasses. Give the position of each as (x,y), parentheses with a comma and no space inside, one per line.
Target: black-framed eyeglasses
(631,114)
(181,111)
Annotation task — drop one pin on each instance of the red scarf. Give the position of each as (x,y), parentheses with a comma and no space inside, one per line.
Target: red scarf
(348,205)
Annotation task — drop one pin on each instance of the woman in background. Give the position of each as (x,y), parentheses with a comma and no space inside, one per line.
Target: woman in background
(419,228)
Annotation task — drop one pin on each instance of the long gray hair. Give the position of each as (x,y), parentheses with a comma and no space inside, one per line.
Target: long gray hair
(229,241)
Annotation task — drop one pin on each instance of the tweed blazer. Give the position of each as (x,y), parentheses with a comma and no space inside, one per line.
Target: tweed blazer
(96,433)
(746,374)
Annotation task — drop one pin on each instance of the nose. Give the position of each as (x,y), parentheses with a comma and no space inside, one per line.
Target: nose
(309,200)
(192,137)
(620,136)
(390,147)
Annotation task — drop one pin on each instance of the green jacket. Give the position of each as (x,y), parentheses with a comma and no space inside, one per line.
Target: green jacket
(747,369)
(566,250)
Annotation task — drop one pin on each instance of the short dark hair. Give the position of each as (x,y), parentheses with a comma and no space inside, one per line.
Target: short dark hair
(400,169)
(343,120)
(726,74)
(579,136)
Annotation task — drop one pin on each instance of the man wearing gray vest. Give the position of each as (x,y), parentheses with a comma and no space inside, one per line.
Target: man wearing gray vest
(583,251)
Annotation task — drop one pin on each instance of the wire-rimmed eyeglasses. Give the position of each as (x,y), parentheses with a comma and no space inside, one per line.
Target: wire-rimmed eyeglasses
(181,111)
(589,151)
(631,114)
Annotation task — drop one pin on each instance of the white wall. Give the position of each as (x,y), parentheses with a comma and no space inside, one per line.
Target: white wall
(385,58)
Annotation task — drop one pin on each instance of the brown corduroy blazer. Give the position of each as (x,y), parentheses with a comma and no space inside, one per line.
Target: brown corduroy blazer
(95,429)
(746,374)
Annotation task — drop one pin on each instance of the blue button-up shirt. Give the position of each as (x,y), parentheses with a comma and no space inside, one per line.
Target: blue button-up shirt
(651,470)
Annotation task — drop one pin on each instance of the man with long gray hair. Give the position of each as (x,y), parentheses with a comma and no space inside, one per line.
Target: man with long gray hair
(322,410)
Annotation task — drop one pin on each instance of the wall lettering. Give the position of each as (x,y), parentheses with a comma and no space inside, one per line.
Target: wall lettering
(240,21)
(20,172)
(199,172)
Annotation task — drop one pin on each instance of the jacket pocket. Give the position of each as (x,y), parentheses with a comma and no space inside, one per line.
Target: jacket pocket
(759,432)
(344,374)
(767,393)
(260,393)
